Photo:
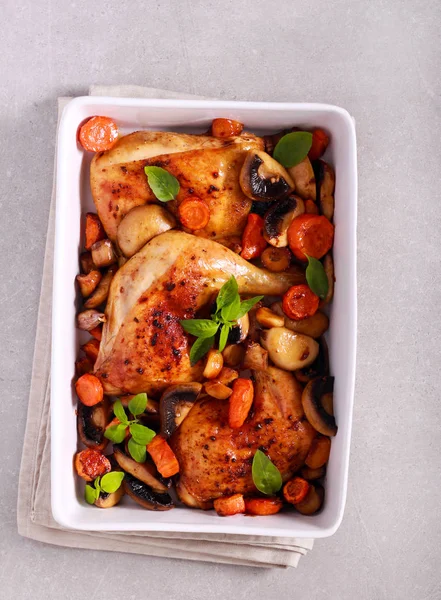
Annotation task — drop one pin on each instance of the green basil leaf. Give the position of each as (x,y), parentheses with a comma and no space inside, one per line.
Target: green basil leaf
(164,185)
(141,434)
(266,475)
(316,277)
(200,348)
(138,404)
(247,305)
(96,483)
(119,412)
(110,482)
(137,451)
(116,433)
(224,336)
(227,293)
(90,494)
(293,148)
(201,328)
(230,311)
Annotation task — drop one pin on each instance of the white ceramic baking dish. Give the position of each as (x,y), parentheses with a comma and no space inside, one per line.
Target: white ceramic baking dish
(74,199)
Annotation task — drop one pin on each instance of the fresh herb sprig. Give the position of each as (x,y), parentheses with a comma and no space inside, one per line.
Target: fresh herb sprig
(292,148)
(266,476)
(316,277)
(141,435)
(229,309)
(109,483)
(163,184)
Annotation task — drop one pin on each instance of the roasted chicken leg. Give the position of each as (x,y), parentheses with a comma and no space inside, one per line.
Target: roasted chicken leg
(216,460)
(143,347)
(205,166)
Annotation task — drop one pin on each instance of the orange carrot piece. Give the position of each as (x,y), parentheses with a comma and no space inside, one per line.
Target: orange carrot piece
(240,402)
(194,213)
(229,505)
(300,302)
(94,230)
(276,259)
(98,134)
(296,490)
(89,389)
(262,506)
(310,234)
(311,207)
(91,463)
(226,128)
(163,456)
(253,242)
(91,349)
(320,142)
(97,332)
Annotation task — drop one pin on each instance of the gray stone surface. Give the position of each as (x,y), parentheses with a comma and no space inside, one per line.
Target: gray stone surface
(379,59)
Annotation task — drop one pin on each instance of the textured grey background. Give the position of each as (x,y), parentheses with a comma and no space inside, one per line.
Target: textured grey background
(380,59)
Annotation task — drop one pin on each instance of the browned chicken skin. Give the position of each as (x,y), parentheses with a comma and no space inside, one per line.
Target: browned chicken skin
(143,347)
(216,460)
(205,166)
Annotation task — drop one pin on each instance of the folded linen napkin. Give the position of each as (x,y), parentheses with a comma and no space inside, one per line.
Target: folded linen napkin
(34,516)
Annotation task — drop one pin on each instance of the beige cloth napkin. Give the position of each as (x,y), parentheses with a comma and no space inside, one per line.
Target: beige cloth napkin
(34,514)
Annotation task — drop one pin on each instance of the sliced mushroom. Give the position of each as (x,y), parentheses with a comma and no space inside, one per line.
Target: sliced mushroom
(91,424)
(319,368)
(145,496)
(89,319)
(145,472)
(289,350)
(175,404)
(325,178)
(313,500)
(103,253)
(140,225)
(106,500)
(240,331)
(311,474)
(263,178)
(304,179)
(102,291)
(321,420)
(279,217)
(314,326)
(328,265)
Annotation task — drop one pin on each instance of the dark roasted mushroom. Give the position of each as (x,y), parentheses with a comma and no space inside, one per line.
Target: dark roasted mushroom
(279,217)
(145,472)
(240,331)
(321,420)
(311,474)
(318,368)
(91,423)
(145,496)
(106,500)
(325,179)
(313,500)
(263,178)
(175,404)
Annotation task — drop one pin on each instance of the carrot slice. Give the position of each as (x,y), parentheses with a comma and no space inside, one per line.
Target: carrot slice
(320,142)
(229,505)
(226,128)
(98,134)
(253,242)
(91,463)
(311,207)
(89,389)
(94,230)
(310,234)
(163,456)
(319,451)
(91,349)
(300,302)
(97,332)
(262,506)
(296,490)
(276,259)
(240,402)
(194,213)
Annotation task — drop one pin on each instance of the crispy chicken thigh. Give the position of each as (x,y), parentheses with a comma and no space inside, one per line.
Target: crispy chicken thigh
(206,167)
(143,347)
(215,460)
